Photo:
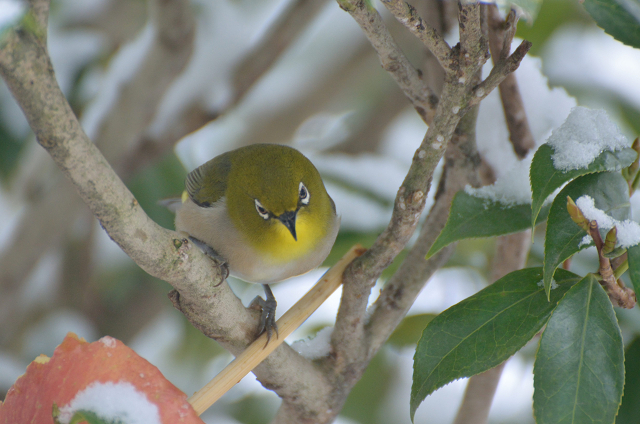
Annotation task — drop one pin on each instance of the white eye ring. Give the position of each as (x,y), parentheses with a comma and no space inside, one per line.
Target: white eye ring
(304,194)
(261,210)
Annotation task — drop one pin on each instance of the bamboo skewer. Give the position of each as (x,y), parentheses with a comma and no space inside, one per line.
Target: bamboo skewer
(258,350)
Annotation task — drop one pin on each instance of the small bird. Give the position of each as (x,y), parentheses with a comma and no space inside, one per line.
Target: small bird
(263,210)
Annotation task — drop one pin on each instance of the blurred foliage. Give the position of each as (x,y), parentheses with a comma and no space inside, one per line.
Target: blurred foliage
(474,253)
(10,149)
(195,348)
(409,331)
(254,409)
(162,180)
(552,15)
(367,397)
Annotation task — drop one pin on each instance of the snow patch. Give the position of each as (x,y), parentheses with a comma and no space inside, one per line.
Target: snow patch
(583,137)
(554,284)
(546,109)
(316,347)
(108,341)
(628,232)
(118,402)
(510,189)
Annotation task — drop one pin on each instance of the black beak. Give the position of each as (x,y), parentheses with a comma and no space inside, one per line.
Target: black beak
(289,221)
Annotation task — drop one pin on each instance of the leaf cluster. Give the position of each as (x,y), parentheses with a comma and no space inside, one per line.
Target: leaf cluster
(579,367)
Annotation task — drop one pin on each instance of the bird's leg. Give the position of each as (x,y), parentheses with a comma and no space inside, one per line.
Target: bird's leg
(268,317)
(207,250)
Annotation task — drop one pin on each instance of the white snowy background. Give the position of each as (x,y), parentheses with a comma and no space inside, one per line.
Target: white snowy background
(577,56)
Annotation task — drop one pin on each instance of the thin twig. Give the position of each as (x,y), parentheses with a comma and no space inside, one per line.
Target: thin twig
(409,17)
(499,73)
(473,44)
(618,294)
(500,36)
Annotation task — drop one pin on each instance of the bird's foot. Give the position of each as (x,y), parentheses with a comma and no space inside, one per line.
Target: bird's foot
(208,250)
(268,317)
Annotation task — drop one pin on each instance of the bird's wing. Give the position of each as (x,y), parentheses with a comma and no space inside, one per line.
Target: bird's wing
(208,183)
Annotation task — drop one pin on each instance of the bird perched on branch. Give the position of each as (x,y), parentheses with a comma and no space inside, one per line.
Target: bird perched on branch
(264,211)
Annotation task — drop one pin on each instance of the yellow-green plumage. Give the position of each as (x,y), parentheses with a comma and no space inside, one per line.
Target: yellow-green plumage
(221,211)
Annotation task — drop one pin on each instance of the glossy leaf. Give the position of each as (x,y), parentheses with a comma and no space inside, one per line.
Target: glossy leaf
(610,193)
(545,178)
(618,18)
(579,368)
(483,330)
(629,412)
(472,217)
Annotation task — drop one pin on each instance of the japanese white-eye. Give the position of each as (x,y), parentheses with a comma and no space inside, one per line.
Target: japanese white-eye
(263,209)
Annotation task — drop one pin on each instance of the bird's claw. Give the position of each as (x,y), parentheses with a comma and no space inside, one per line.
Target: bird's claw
(208,250)
(268,316)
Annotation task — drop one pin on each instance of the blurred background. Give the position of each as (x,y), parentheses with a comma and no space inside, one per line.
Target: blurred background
(316,85)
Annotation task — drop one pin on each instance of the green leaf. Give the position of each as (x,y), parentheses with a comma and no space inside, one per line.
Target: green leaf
(472,217)
(618,18)
(610,193)
(579,368)
(633,256)
(410,329)
(629,412)
(545,178)
(483,330)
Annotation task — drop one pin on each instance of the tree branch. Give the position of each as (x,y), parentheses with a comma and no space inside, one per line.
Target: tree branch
(407,15)
(500,35)
(499,73)
(462,165)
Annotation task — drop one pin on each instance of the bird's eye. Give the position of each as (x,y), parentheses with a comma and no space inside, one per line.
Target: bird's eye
(261,210)
(304,194)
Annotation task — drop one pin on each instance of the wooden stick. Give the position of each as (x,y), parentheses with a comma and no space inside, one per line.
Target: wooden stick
(258,350)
